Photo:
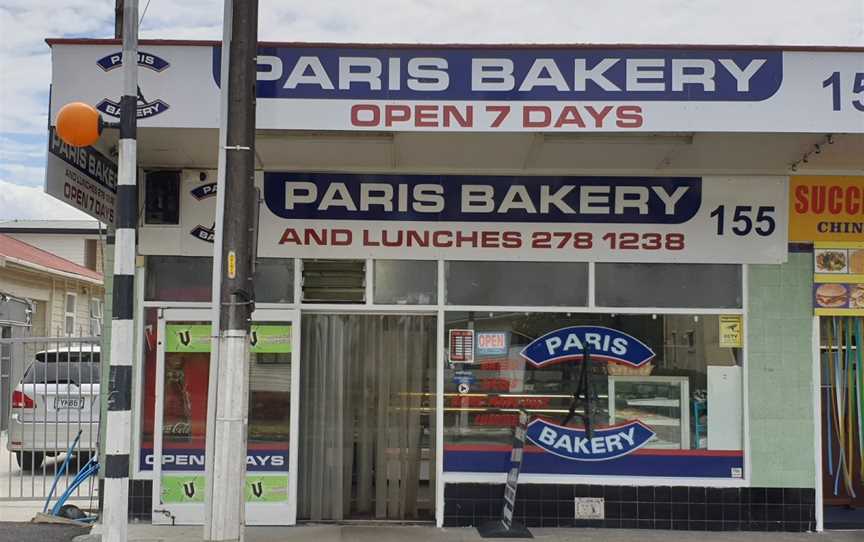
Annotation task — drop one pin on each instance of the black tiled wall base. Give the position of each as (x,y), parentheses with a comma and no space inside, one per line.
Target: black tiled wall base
(645,507)
(140,499)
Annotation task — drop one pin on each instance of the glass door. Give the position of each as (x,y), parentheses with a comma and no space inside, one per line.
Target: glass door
(182,383)
(367,446)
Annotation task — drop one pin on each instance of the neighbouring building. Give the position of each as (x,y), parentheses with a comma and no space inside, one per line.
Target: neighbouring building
(79,241)
(65,298)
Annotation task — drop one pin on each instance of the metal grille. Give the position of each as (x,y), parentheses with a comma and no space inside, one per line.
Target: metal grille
(53,391)
(334,281)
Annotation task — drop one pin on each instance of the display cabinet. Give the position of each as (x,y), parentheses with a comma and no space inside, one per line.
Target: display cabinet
(660,402)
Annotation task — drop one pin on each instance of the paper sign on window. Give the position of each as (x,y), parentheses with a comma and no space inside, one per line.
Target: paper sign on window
(461,346)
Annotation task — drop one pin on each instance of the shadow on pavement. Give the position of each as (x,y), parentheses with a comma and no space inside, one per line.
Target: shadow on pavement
(34,532)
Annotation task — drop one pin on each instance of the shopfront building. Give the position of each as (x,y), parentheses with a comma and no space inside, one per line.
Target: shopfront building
(445,235)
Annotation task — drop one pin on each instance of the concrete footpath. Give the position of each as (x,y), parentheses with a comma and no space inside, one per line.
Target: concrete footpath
(388,533)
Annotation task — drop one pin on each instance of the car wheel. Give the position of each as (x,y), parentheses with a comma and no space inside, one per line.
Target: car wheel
(29,461)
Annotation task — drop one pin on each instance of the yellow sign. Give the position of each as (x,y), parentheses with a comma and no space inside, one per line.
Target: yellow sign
(838,288)
(826,209)
(232,264)
(731,331)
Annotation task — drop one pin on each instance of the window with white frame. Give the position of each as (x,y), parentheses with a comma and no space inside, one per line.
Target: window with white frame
(96,316)
(69,313)
(660,396)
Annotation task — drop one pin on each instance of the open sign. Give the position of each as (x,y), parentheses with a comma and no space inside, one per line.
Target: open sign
(492,343)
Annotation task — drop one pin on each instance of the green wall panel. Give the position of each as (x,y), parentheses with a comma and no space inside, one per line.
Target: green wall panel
(781,376)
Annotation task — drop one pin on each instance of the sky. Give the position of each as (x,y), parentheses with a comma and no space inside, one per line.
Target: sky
(25,64)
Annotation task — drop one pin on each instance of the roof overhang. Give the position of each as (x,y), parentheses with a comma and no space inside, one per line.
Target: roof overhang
(33,267)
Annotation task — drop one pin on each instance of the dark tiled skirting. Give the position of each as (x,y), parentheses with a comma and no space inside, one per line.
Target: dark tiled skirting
(646,507)
(140,499)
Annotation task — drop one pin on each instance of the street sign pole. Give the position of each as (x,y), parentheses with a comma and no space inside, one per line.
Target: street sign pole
(119,397)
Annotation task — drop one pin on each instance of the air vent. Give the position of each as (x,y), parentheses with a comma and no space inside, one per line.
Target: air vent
(334,281)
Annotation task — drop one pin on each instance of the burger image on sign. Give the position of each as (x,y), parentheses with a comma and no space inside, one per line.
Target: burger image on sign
(832,295)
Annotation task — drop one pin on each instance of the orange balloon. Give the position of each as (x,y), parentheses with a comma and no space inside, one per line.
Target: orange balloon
(79,124)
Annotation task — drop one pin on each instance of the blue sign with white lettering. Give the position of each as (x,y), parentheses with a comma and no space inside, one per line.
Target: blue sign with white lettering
(605,443)
(475,198)
(192,459)
(145,107)
(652,74)
(204,191)
(145,60)
(570,343)
(464,377)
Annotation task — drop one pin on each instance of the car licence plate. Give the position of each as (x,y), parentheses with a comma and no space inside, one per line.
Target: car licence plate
(66,403)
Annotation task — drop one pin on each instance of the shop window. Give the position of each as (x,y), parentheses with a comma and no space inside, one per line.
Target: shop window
(334,281)
(668,285)
(274,280)
(162,197)
(402,282)
(190,278)
(665,394)
(517,283)
(178,278)
(184,396)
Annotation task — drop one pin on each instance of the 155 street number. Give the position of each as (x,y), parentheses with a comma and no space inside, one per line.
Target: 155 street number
(745,220)
(833,82)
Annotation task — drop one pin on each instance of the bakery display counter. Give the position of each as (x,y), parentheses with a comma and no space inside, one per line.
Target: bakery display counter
(660,402)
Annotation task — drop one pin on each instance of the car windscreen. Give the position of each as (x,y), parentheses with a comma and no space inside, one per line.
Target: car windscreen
(73,355)
(62,373)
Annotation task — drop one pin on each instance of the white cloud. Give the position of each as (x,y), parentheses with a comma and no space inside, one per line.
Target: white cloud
(23,174)
(31,202)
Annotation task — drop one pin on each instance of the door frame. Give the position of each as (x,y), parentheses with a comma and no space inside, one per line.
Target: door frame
(256,513)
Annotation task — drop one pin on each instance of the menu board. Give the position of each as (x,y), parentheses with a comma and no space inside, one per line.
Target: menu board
(838,284)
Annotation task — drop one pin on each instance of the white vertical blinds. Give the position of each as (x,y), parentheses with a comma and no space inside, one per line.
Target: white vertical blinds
(367,435)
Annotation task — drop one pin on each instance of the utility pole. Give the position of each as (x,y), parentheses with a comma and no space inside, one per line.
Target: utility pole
(233,261)
(118,19)
(119,398)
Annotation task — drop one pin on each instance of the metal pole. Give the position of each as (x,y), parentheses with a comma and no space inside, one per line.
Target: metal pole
(216,295)
(118,19)
(226,479)
(119,397)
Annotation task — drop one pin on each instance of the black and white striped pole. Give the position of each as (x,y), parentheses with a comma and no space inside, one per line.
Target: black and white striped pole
(118,430)
(80,125)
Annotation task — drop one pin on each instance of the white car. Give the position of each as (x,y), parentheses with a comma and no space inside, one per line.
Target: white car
(57,396)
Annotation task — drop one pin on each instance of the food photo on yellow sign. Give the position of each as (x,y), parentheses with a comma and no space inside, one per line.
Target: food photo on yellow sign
(828,212)
(838,278)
